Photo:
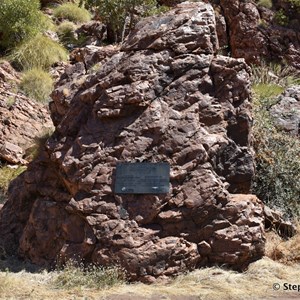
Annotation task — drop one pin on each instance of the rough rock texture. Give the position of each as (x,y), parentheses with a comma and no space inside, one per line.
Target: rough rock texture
(21,119)
(93,33)
(222,29)
(286,111)
(254,35)
(274,221)
(91,55)
(245,39)
(166,96)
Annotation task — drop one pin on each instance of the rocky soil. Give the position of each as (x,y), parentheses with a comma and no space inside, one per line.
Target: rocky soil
(165,96)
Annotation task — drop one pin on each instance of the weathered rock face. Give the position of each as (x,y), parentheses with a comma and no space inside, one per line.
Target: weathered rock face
(93,32)
(166,96)
(286,111)
(21,119)
(252,34)
(244,37)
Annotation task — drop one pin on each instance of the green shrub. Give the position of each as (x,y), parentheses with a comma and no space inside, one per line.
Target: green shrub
(117,14)
(267,92)
(38,144)
(66,32)
(72,12)
(276,74)
(38,52)
(295,3)
(281,18)
(277,180)
(37,84)
(265,3)
(19,20)
(76,276)
(46,23)
(7,174)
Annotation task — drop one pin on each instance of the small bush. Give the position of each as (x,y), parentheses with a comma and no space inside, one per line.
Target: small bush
(37,84)
(72,12)
(119,15)
(277,180)
(265,3)
(66,32)
(7,174)
(295,3)
(38,144)
(74,276)
(156,10)
(46,23)
(267,92)
(276,74)
(19,20)
(38,52)
(281,18)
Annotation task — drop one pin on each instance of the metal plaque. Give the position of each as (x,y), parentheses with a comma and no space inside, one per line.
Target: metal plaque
(142,178)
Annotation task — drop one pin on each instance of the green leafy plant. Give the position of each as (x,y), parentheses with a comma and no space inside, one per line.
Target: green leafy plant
(38,52)
(74,275)
(19,20)
(295,9)
(281,18)
(295,2)
(37,84)
(72,12)
(118,14)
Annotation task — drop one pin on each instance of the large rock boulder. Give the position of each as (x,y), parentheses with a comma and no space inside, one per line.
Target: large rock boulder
(166,96)
(21,119)
(286,111)
(254,34)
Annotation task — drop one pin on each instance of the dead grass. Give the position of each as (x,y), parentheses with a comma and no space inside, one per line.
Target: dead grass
(284,251)
(207,283)
(204,284)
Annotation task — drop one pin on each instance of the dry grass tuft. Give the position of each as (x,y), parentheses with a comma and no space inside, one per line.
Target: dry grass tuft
(207,283)
(284,251)
(7,174)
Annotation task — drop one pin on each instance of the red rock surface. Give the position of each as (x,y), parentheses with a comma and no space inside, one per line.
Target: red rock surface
(166,96)
(21,119)
(254,34)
